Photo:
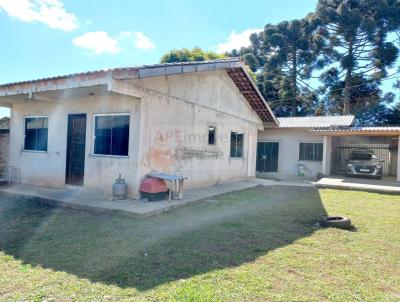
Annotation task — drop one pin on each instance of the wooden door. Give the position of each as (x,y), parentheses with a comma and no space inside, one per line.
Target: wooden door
(75,169)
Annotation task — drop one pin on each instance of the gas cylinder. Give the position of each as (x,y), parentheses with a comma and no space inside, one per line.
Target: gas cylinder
(120,188)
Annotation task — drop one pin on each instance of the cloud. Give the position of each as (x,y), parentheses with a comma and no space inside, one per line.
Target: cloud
(237,40)
(143,42)
(140,40)
(49,12)
(98,41)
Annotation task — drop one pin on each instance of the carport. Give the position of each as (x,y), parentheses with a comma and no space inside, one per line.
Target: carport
(338,144)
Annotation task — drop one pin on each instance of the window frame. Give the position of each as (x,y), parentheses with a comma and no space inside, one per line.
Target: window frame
(312,143)
(94,133)
(215,135)
(230,145)
(24,133)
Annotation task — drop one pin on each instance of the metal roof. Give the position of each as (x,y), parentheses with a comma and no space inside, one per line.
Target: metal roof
(315,121)
(128,68)
(373,131)
(233,66)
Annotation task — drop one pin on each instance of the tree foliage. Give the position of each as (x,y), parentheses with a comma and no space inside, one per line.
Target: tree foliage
(357,32)
(195,54)
(286,55)
(347,47)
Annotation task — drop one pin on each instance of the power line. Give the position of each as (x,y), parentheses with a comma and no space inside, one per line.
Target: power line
(389,77)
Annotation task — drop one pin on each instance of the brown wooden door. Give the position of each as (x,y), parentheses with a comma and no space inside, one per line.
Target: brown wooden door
(76,149)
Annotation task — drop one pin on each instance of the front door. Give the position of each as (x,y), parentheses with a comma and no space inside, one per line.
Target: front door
(76,149)
(267,157)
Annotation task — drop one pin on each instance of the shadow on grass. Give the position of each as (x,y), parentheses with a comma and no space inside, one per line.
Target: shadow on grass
(144,253)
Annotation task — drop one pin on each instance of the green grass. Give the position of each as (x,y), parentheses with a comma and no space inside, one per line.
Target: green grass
(254,245)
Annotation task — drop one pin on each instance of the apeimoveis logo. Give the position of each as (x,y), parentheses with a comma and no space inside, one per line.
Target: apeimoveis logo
(201,147)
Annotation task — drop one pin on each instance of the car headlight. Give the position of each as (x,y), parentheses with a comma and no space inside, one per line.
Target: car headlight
(349,165)
(379,166)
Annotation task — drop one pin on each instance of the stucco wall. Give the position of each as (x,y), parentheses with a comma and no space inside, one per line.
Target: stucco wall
(48,168)
(176,114)
(289,143)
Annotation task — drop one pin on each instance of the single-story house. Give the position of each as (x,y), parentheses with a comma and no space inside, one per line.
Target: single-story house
(202,120)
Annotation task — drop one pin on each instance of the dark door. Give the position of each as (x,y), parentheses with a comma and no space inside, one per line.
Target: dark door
(267,157)
(76,149)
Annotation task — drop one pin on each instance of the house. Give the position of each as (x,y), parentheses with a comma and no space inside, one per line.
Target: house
(198,119)
(202,120)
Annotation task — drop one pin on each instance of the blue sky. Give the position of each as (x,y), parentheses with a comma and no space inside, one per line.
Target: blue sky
(43,38)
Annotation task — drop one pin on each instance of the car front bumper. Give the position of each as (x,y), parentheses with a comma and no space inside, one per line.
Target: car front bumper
(362,171)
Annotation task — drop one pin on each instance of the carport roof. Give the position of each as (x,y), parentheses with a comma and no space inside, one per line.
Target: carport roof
(370,131)
(315,121)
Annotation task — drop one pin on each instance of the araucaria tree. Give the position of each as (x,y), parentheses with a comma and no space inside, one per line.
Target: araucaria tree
(285,56)
(358,32)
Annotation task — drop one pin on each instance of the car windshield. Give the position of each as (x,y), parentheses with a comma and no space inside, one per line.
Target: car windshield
(361,156)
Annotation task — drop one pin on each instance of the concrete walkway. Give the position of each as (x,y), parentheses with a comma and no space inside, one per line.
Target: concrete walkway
(386,185)
(99,202)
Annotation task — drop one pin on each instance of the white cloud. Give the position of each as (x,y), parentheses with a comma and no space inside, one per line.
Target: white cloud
(143,42)
(49,12)
(237,40)
(140,40)
(99,42)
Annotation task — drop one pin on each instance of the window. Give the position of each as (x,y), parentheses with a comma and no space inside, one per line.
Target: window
(311,151)
(111,134)
(236,144)
(36,132)
(211,135)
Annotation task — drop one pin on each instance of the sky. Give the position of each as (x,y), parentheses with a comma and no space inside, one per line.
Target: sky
(42,38)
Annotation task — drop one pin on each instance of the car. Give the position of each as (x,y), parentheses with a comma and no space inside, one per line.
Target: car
(363,162)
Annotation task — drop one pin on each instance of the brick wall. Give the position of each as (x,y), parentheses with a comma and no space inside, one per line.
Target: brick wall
(4,140)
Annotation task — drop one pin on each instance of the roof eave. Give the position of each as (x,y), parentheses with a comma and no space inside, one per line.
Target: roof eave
(259,94)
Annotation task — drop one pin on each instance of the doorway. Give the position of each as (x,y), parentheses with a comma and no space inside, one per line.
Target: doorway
(267,156)
(76,138)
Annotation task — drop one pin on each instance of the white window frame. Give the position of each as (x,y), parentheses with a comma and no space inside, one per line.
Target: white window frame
(24,132)
(230,145)
(94,131)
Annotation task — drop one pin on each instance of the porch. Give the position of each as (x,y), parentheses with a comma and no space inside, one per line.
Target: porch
(97,201)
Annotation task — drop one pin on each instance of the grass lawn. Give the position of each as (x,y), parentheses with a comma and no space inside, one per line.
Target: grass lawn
(255,245)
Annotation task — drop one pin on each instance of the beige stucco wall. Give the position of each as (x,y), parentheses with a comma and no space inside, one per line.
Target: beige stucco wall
(48,168)
(289,143)
(181,105)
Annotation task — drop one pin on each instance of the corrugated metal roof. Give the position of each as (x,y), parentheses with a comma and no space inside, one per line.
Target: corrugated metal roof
(120,69)
(315,121)
(352,130)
